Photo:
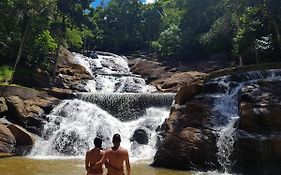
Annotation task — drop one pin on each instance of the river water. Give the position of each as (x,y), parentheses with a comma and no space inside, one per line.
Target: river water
(30,166)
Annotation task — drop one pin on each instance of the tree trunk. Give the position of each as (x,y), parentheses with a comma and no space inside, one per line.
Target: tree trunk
(275,26)
(20,51)
(257,55)
(240,60)
(18,57)
(60,38)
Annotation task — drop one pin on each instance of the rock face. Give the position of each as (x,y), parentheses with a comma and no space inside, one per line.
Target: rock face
(149,70)
(188,143)
(15,139)
(22,92)
(257,148)
(165,78)
(177,80)
(27,113)
(7,140)
(70,75)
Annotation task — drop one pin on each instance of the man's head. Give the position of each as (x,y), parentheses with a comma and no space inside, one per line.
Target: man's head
(116,139)
(98,142)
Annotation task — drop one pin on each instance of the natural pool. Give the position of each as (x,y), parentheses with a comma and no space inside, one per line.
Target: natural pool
(31,166)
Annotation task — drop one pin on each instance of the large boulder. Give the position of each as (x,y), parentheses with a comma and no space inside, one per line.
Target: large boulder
(257,148)
(17,111)
(188,143)
(22,136)
(148,69)
(22,92)
(187,92)
(14,140)
(140,136)
(177,80)
(189,149)
(7,140)
(260,107)
(28,113)
(72,77)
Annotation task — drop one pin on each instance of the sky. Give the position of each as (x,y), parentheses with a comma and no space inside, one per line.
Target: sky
(97,2)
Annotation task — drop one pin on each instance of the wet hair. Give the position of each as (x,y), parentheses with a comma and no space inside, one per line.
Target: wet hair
(98,142)
(116,138)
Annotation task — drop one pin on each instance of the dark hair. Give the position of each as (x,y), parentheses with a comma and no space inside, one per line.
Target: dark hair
(116,138)
(98,142)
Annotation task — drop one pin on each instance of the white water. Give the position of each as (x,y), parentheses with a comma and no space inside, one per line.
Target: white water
(225,110)
(111,74)
(75,123)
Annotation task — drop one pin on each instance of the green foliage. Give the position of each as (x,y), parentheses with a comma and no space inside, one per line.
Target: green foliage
(175,28)
(74,38)
(45,42)
(5,73)
(169,41)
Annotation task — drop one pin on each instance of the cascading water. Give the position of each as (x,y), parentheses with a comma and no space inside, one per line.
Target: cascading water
(74,124)
(111,74)
(104,111)
(225,110)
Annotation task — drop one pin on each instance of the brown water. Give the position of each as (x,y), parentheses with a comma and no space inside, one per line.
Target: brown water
(28,166)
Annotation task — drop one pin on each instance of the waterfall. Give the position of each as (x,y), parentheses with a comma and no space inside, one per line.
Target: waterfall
(225,110)
(117,102)
(128,106)
(111,74)
(73,125)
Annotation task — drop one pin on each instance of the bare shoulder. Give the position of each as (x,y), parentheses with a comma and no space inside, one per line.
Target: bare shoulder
(123,150)
(88,152)
(107,151)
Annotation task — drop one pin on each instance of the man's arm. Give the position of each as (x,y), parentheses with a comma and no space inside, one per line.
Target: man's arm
(128,166)
(87,162)
(102,161)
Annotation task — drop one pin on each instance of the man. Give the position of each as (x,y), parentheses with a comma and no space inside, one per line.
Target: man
(116,156)
(92,157)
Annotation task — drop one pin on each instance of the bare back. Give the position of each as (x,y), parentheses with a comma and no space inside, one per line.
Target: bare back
(116,159)
(92,157)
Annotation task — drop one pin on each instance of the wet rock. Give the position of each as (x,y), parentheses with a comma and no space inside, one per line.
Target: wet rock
(71,76)
(260,107)
(27,113)
(187,92)
(3,106)
(7,140)
(257,148)
(17,110)
(256,153)
(69,143)
(140,136)
(214,88)
(188,149)
(187,142)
